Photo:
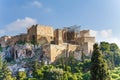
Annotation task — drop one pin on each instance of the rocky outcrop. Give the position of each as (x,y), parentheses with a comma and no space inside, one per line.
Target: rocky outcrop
(21,51)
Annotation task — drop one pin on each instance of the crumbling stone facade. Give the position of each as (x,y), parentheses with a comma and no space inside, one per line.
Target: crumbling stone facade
(63,50)
(67,41)
(64,36)
(3,40)
(12,40)
(86,41)
(58,36)
(40,34)
(60,42)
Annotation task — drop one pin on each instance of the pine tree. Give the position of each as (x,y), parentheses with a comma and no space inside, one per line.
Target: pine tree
(99,69)
(5,73)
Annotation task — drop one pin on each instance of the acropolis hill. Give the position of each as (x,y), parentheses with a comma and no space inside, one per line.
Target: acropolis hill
(55,43)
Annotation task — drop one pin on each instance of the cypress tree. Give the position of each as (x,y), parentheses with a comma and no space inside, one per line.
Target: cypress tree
(99,69)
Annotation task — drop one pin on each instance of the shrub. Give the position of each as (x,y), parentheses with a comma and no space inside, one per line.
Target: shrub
(115,76)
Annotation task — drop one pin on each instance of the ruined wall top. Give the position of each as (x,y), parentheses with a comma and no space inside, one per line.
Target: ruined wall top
(85,33)
(44,30)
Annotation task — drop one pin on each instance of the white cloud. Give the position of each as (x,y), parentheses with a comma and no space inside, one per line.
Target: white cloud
(37,4)
(18,26)
(105,35)
(34,4)
(113,40)
(93,33)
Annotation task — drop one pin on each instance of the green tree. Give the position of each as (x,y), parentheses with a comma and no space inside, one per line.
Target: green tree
(107,54)
(99,69)
(72,76)
(82,56)
(56,74)
(22,75)
(5,73)
(115,54)
(86,76)
(0,62)
(0,48)
(39,75)
(86,65)
(104,46)
(111,53)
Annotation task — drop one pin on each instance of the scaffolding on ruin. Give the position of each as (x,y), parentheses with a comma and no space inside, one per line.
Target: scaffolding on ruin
(75,29)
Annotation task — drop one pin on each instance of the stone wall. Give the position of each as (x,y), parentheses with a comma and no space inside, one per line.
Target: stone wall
(53,52)
(14,39)
(85,39)
(44,35)
(23,37)
(40,34)
(3,40)
(64,36)
(44,30)
(32,33)
(58,36)
(86,44)
(85,33)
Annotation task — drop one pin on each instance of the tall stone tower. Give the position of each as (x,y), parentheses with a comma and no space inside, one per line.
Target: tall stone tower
(58,36)
(40,34)
(86,41)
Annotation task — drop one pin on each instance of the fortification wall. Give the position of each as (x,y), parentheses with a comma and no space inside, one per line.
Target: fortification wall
(32,33)
(40,33)
(58,36)
(3,40)
(85,33)
(57,51)
(85,39)
(44,30)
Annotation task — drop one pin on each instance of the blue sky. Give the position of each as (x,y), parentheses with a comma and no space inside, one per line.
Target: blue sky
(101,16)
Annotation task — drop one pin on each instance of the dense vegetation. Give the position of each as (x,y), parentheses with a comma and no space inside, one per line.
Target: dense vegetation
(111,53)
(99,69)
(0,48)
(5,73)
(115,74)
(71,69)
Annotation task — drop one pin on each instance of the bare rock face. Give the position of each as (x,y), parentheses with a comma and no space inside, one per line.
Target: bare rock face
(20,51)
(23,54)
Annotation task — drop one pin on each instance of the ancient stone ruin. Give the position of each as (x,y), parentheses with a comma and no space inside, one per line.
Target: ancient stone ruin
(54,43)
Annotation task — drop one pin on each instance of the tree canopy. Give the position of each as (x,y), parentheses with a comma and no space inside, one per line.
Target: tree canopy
(99,69)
